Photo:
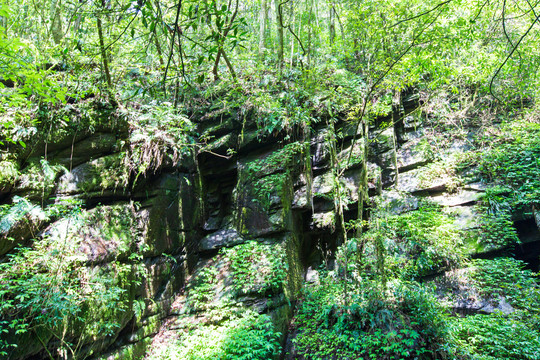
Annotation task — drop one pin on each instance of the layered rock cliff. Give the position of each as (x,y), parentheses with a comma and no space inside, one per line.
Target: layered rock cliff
(167,242)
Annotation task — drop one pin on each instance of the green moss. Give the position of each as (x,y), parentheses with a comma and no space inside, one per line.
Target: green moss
(107,172)
(59,126)
(39,178)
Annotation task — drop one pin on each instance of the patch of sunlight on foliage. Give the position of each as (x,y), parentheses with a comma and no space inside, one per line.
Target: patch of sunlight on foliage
(513,161)
(497,336)
(415,244)
(256,268)
(247,336)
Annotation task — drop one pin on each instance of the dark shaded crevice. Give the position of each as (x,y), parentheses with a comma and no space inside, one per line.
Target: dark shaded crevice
(529,249)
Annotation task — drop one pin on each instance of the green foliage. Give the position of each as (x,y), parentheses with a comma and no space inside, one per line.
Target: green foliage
(50,289)
(497,231)
(416,243)
(270,176)
(8,174)
(508,278)
(202,290)
(245,336)
(340,321)
(21,207)
(159,135)
(256,267)
(495,337)
(512,162)
(39,177)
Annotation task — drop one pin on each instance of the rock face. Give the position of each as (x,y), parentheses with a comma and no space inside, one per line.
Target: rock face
(270,205)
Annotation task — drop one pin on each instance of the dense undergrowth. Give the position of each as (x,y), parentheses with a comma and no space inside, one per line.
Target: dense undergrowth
(474,68)
(407,320)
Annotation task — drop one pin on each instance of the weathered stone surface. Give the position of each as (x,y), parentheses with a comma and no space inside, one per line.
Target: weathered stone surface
(466,217)
(476,186)
(219,239)
(101,235)
(536,215)
(171,216)
(19,224)
(86,149)
(414,135)
(387,165)
(301,199)
(412,155)
(397,202)
(384,141)
(353,155)
(222,144)
(105,173)
(319,150)
(463,197)
(38,179)
(457,292)
(8,175)
(412,181)
(323,184)
(412,122)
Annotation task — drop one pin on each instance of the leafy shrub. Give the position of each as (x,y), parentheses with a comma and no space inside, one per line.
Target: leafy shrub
(337,321)
(496,226)
(505,277)
(416,243)
(495,337)
(158,135)
(514,162)
(497,231)
(201,290)
(247,336)
(256,267)
(9,171)
(49,287)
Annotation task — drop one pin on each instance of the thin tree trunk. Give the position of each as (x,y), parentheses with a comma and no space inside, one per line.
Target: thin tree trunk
(216,64)
(156,39)
(292,38)
(158,49)
(221,43)
(56,22)
(262,28)
(279,21)
(103,51)
(332,24)
(229,65)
